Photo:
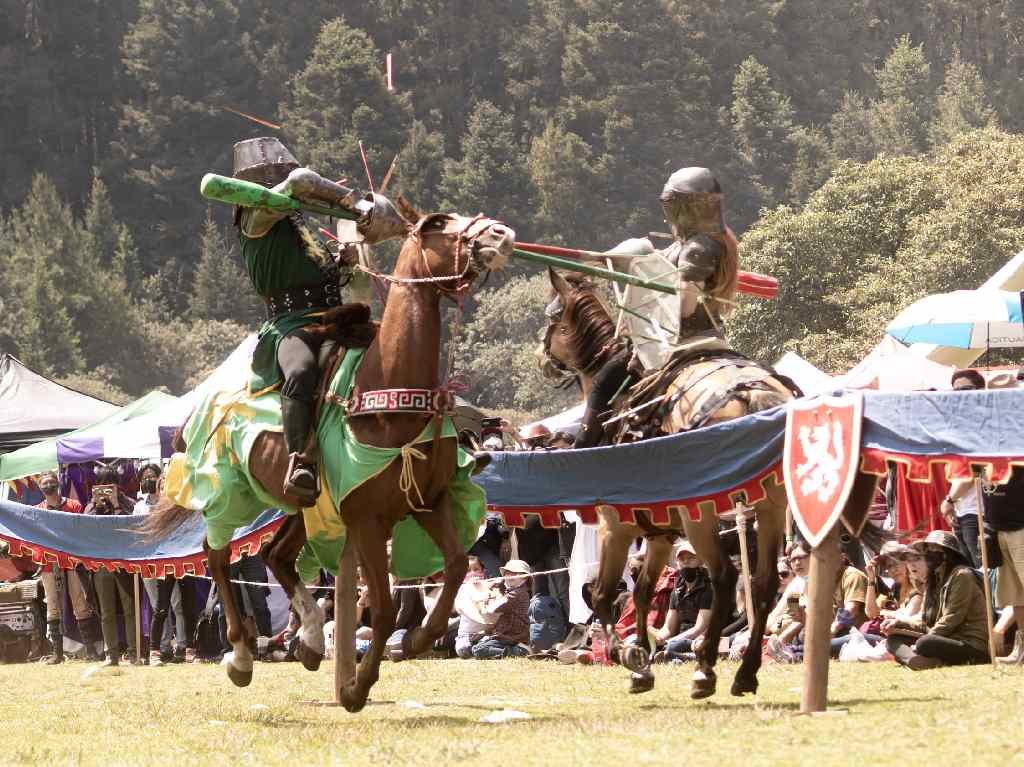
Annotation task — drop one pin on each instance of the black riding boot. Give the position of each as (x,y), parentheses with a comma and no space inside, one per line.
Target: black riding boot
(57,640)
(301,481)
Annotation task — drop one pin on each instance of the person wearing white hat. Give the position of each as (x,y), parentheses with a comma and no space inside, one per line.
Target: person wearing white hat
(508,636)
(689,607)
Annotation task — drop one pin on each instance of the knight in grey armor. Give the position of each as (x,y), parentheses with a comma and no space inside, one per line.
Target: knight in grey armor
(692,201)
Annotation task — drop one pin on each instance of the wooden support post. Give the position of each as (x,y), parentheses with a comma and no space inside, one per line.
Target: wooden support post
(984,570)
(345,620)
(821,586)
(138,622)
(741,529)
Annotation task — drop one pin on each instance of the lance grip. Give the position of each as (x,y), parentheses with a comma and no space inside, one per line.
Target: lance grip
(235,191)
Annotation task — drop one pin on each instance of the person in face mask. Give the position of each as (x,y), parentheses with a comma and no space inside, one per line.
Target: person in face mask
(55,581)
(509,611)
(689,609)
(952,629)
(164,593)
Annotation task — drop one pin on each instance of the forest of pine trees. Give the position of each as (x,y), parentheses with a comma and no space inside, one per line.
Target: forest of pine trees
(868,150)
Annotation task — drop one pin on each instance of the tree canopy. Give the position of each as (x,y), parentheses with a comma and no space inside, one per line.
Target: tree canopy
(868,152)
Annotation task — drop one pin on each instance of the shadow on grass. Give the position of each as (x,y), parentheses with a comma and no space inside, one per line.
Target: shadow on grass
(788,705)
(447,720)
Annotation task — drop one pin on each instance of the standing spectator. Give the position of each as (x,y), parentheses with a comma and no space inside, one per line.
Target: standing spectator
(108,500)
(56,580)
(953,625)
(164,593)
(1004,512)
(960,508)
(509,611)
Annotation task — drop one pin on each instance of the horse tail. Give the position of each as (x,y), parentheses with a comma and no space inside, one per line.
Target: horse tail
(727,274)
(165,518)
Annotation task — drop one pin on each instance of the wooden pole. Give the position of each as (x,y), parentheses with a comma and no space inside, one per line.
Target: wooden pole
(345,620)
(138,622)
(821,586)
(741,528)
(984,570)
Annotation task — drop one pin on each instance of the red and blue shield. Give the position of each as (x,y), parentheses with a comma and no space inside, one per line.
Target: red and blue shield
(820,460)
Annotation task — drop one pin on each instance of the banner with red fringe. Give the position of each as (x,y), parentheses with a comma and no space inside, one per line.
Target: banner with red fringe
(928,431)
(116,543)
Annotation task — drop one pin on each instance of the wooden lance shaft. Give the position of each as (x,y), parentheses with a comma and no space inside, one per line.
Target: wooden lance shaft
(235,191)
(984,570)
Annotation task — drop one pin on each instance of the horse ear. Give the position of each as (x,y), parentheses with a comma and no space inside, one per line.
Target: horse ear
(558,282)
(408,210)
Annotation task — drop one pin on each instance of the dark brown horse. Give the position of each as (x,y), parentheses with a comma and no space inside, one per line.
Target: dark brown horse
(581,337)
(442,256)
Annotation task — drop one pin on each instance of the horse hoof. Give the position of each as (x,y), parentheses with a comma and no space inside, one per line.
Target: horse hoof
(309,657)
(703,684)
(641,682)
(635,658)
(741,686)
(238,677)
(353,703)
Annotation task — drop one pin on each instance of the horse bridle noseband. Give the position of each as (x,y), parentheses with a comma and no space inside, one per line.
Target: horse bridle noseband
(467,234)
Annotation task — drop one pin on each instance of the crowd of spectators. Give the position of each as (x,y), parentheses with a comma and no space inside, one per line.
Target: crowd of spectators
(921,604)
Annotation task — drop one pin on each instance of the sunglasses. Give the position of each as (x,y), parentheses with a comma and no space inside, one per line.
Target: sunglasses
(798,557)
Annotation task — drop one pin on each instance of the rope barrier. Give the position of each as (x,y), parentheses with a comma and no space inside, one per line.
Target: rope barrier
(405,586)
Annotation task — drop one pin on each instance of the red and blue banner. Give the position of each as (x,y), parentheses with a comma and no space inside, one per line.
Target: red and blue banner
(927,431)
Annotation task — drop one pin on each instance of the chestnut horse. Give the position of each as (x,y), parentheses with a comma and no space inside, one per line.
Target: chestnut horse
(442,256)
(581,337)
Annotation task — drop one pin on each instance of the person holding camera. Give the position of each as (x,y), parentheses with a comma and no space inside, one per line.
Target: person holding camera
(108,500)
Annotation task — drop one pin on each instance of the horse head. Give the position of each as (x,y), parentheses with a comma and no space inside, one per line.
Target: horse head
(451,250)
(580,330)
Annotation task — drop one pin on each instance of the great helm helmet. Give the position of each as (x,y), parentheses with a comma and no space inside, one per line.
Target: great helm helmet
(263,160)
(692,201)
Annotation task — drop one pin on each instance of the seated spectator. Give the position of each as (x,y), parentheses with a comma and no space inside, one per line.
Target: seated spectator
(786,620)
(953,625)
(510,631)
(849,602)
(689,611)
(900,600)
(469,602)
(626,627)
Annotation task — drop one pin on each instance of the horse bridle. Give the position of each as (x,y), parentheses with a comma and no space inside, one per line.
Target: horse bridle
(468,234)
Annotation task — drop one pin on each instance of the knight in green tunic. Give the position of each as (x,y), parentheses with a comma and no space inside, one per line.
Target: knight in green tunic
(293,275)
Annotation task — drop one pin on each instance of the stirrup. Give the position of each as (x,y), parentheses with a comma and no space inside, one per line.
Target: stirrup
(307,495)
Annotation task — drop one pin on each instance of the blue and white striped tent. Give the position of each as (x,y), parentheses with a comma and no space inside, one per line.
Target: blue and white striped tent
(965,319)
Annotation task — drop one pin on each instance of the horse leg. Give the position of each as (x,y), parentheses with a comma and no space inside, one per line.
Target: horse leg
(280,556)
(239,660)
(637,658)
(370,540)
(703,535)
(439,525)
(770,528)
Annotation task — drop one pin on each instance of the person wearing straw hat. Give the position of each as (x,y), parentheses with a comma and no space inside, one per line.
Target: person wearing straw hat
(508,636)
(953,626)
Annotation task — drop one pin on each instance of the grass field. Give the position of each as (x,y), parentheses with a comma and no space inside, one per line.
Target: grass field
(427,714)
